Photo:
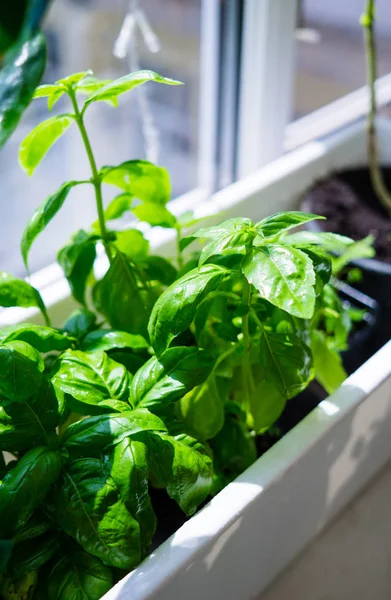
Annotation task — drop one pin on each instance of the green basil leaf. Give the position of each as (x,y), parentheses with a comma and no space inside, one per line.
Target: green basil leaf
(31,423)
(166,379)
(321,262)
(19,588)
(361,249)
(95,435)
(335,320)
(37,525)
(132,361)
(130,471)
(154,214)
(80,322)
(118,206)
(118,297)
(20,75)
(333,242)
(90,509)
(107,339)
(328,366)
(17,292)
(89,85)
(234,225)
(39,141)
(183,466)
(52,92)
(78,575)
(42,217)
(233,448)
(140,179)
(202,410)
(19,21)
(43,339)
(133,244)
(158,268)
(45,91)
(283,276)
(25,486)
(30,555)
(75,78)
(77,260)
(267,403)
(230,243)
(175,310)
(125,84)
(286,362)
(91,378)
(284,221)
(21,368)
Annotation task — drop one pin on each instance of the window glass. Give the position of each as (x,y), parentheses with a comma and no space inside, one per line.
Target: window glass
(163,119)
(330,51)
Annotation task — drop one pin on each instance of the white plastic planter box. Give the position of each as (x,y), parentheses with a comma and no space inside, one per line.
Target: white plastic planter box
(241,541)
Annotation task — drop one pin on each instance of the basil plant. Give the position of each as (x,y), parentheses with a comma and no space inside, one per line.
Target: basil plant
(162,378)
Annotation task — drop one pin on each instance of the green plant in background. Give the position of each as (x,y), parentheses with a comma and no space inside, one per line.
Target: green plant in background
(161,379)
(379,185)
(22,59)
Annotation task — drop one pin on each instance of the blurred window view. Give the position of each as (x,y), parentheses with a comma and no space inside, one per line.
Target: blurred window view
(330,51)
(161,124)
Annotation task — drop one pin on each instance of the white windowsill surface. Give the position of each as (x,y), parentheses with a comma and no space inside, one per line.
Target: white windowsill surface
(351,559)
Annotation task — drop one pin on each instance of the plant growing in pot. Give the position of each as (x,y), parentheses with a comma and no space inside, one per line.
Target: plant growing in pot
(163,378)
(357,202)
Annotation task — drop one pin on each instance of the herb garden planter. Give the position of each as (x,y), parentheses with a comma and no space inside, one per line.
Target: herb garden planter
(240,541)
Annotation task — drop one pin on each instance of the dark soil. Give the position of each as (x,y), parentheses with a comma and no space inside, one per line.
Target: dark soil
(352,208)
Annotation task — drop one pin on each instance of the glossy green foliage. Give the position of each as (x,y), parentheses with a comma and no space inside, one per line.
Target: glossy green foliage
(77,260)
(42,217)
(286,361)
(77,576)
(40,140)
(17,292)
(91,377)
(327,363)
(87,503)
(176,308)
(113,89)
(231,237)
(166,379)
(118,296)
(95,435)
(283,276)
(31,423)
(141,180)
(202,409)
(24,488)
(43,339)
(107,339)
(21,21)
(24,51)
(21,367)
(282,222)
(22,71)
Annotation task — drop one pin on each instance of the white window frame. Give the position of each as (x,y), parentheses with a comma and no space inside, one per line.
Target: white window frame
(268,65)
